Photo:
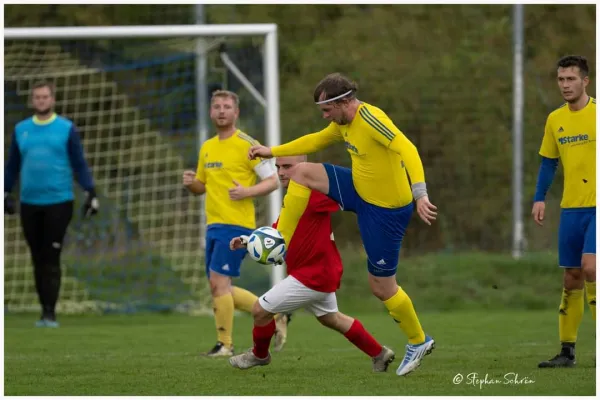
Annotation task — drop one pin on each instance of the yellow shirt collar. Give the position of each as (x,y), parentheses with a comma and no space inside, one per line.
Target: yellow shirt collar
(45,122)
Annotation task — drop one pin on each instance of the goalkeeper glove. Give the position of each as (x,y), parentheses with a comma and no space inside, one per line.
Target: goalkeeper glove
(91,204)
(9,204)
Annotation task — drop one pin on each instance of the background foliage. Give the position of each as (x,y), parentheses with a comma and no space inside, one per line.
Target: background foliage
(443,74)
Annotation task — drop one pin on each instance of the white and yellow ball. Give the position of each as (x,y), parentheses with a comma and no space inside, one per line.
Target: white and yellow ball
(266,245)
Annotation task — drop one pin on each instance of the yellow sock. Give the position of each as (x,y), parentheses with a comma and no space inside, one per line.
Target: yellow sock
(401,309)
(570,314)
(223,307)
(243,299)
(294,204)
(590,290)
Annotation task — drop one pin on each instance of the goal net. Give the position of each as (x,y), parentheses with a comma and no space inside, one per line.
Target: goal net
(135,102)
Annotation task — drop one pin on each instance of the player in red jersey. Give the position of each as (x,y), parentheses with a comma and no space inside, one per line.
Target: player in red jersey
(314,269)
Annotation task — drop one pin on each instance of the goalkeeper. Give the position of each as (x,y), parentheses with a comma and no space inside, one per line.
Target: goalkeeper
(228,178)
(377,189)
(45,151)
(314,269)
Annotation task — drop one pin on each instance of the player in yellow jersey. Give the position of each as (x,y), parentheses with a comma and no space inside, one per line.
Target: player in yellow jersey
(570,135)
(229,180)
(377,189)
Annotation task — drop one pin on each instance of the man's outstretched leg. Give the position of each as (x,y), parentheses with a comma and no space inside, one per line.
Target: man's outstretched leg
(283,298)
(244,300)
(355,332)
(263,331)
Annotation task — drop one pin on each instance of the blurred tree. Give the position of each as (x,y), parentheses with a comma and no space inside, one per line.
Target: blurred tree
(442,73)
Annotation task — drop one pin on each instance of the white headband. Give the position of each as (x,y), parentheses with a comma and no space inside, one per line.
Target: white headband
(335,98)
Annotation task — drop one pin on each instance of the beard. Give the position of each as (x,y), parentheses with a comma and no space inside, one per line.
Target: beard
(223,124)
(43,111)
(342,121)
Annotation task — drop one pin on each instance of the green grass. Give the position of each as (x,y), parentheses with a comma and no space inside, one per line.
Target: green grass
(158,355)
(466,281)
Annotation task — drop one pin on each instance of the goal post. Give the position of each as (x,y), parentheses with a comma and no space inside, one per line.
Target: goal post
(270,73)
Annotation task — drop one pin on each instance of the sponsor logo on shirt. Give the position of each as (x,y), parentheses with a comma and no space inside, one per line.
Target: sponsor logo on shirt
(574,139)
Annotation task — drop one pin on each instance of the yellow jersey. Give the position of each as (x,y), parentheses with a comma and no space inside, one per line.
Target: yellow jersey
(571,136)
(220,162)
(381,156)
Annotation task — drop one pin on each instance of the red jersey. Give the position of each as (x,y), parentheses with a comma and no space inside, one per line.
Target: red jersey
(312,256)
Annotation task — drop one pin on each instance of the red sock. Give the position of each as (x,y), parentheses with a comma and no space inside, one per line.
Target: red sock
(363,339)
(262,339)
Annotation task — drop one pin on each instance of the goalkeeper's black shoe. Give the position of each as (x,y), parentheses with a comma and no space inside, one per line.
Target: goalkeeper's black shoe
(219,350)
(559,361)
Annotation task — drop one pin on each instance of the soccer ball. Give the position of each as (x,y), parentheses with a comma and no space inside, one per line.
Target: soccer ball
(266,245)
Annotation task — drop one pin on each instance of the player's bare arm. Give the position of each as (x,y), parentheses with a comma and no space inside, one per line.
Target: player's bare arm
(192,184)
(262,188)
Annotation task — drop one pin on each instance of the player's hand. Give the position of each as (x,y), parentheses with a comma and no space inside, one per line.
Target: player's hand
(188,177)
(259,151)
(91,204)
(539,207)
(238,192)
(426,210)
(239,242)
(9,204)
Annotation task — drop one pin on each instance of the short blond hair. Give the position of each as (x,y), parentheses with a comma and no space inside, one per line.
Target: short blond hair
(227,94)
(43,84)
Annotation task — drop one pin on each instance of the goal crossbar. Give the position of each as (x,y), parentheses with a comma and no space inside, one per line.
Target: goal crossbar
(139,31)
(270,60)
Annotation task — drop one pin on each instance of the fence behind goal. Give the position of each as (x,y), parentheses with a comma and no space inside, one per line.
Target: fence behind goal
(134,102)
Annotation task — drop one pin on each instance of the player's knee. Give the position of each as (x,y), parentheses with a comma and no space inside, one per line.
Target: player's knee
(300,174)
(383,287)
(257,309)
(219,284)
(260,315)
(38,261)
(329,320)
(573,278)
(588,265)
(51,254)
(53,270)
(380,292)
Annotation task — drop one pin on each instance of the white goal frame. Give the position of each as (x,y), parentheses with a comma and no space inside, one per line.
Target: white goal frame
(270,68)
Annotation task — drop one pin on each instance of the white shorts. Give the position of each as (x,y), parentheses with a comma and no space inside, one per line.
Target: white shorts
(290,294)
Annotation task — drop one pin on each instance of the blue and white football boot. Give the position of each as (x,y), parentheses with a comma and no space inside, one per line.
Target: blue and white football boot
(414,355)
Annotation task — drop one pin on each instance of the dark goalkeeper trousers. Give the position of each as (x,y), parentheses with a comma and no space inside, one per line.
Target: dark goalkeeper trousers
(44,228)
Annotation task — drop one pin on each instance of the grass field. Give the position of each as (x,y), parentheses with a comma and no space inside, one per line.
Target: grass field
(158,355)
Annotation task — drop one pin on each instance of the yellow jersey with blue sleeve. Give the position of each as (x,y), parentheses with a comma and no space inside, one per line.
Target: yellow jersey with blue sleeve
(220,163)
(571,136)
(383,158)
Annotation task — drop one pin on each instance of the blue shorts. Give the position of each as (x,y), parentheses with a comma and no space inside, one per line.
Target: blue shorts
(576,235)
(219,258)
(381,229)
